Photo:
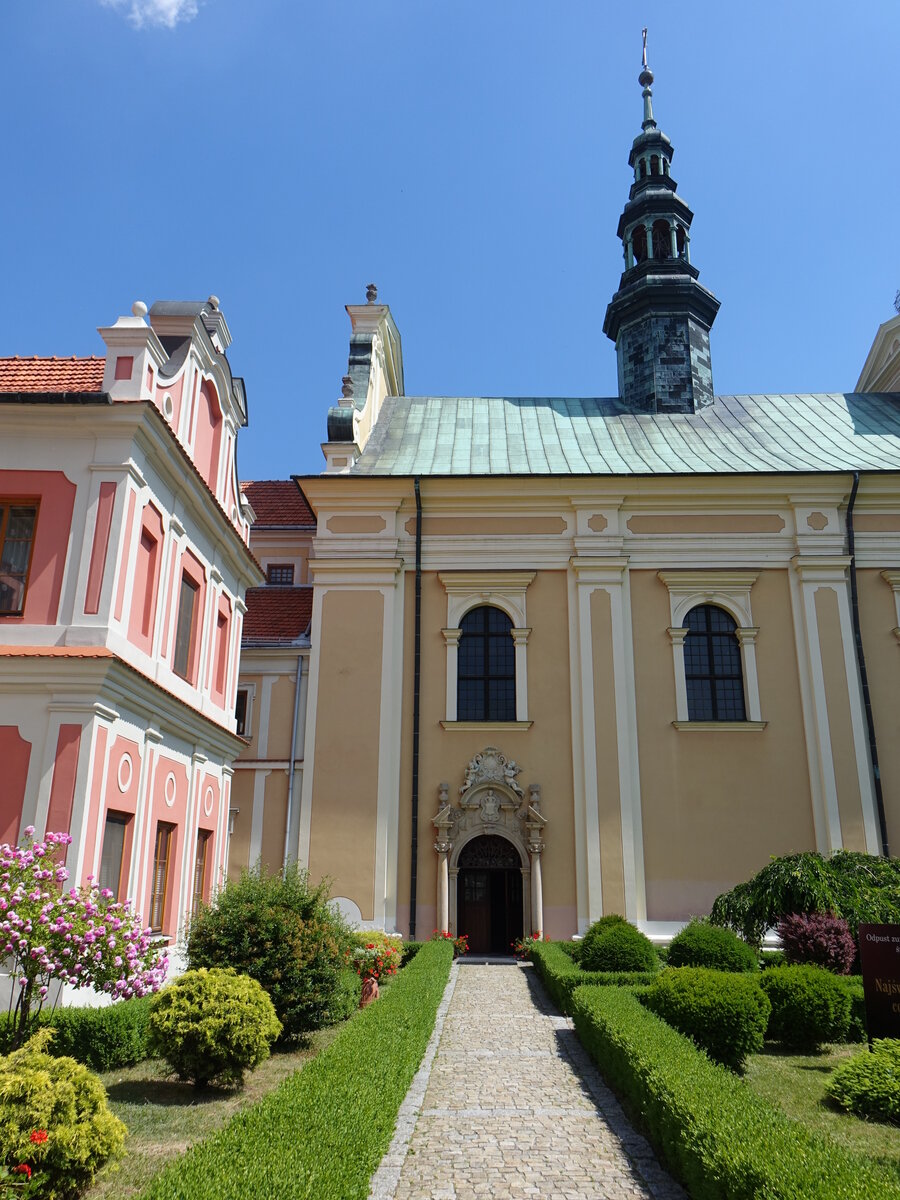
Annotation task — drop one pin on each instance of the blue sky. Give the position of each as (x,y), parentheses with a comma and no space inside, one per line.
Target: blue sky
(469,158)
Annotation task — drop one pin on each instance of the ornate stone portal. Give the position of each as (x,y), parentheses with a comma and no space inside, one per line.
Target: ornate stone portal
(491,802)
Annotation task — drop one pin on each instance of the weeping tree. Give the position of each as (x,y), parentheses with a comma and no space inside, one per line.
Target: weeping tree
(858,887)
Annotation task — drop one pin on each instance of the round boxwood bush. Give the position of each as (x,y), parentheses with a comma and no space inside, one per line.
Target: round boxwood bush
(869,1084)
(612,944)
(281,932)
(724,1013)
(703,945)
(54,1119)
(809,1006)
(211,1025)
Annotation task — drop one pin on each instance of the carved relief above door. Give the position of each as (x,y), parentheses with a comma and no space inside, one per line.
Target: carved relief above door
(492,816)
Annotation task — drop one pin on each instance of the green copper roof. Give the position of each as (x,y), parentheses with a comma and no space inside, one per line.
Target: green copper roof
(532,436)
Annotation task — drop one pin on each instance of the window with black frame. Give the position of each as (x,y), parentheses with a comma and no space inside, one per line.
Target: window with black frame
(712,666)
(486,664)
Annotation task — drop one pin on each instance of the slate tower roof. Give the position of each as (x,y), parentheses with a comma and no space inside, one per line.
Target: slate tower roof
(661,316)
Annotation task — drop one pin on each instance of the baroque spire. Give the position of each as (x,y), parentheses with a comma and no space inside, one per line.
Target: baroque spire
(660,317)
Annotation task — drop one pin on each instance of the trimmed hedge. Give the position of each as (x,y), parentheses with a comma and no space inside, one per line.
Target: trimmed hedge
(561,976)
(724,1012)
(809,1006)
(321,1134)
(100,1038)
(715,1135)
(702,945)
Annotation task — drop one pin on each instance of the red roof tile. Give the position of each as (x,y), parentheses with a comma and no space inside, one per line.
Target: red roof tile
(277,614)
(51,374)
(278,502)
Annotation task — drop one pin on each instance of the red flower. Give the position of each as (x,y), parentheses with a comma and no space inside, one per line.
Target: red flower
(38,1136)
(22,1169)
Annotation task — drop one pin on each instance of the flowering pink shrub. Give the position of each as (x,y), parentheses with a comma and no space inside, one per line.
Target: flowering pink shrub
(818,938)
(82,937)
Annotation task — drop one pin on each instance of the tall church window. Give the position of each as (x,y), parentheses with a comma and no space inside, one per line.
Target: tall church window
(486,664)
(712,666)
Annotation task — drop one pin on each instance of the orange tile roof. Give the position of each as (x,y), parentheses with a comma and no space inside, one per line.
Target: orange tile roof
(277,614)
(278,502)
(51,374)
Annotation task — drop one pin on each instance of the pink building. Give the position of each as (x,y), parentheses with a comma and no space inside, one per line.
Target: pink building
(124,561)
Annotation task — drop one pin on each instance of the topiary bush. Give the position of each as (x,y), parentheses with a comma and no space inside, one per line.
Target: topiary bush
(869,1084)
(725,1014)
(54,1119)
(211,1025)
(818,938)
(612,944)
(281,932)
(703,945)
(809,1006)
(856,886)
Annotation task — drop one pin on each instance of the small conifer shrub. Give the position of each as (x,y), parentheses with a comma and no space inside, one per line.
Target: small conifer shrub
(212,1025)
(54,1120)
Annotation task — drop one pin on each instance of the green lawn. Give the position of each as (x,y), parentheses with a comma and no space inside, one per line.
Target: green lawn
(164,1116)
(795,1083)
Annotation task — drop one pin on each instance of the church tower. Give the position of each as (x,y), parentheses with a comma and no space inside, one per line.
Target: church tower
(661,316)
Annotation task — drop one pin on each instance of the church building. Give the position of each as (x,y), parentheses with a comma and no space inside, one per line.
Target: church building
(579,656)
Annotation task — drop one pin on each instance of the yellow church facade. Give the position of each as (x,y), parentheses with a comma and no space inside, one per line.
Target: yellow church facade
(572,656)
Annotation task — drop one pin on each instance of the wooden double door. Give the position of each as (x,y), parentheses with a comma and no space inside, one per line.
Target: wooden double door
(489,895)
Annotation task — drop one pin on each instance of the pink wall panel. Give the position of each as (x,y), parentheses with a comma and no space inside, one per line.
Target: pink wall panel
(209,433)
(62,789)
(100,547)
(91,865)
(145,584)
(125,551)
(123,775)
(56,497)
(15,754)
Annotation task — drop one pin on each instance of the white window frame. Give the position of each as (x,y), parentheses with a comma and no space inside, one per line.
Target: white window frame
(500,589)
(729,590)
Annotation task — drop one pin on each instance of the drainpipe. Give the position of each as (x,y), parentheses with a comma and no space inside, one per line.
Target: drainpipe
(863,676)
(290,795)
(413,866)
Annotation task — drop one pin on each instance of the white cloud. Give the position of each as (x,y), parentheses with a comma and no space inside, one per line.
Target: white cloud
(155,12)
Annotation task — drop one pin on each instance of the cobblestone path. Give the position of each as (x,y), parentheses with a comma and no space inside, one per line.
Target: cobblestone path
(508,1105)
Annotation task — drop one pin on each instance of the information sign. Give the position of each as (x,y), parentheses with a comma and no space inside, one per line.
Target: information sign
(879,956)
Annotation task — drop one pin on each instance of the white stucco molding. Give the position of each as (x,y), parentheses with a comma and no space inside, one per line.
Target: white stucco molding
(729,590)
(892,579)
(501,589)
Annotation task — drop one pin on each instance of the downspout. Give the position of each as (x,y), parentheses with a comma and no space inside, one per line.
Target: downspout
(417,654)
(290,795)
(863,676)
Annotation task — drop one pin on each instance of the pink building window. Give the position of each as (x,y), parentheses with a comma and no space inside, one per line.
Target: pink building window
(186,628)
(201,862)
(17,522)
(116,839)
(159,883)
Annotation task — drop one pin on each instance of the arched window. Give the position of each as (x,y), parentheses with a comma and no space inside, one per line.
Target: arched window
(662,240)
(643,166)
(486,665)
(639,243)
(654,164)
(665,165)
(680,239)
(712,666)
